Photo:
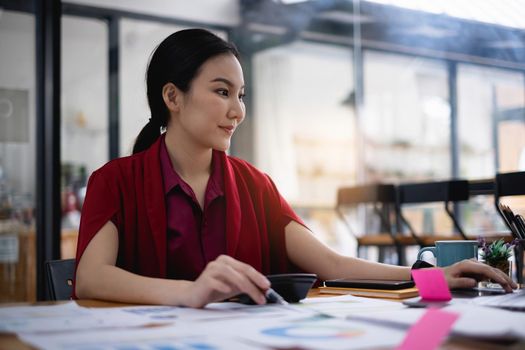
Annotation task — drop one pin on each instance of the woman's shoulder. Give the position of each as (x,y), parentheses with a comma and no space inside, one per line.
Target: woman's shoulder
(249,172)
(117,167)
(244,167)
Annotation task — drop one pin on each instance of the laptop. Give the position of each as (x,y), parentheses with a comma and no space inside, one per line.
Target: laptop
(510,301)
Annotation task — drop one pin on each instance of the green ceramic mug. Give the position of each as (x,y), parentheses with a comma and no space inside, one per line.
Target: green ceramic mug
(450,252)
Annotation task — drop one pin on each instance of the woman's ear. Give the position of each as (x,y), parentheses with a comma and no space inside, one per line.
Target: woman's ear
(172,97)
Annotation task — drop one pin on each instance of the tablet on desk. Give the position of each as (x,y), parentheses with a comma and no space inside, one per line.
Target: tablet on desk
(369,284)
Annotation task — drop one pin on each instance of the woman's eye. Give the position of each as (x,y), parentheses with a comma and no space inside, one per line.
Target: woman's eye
(241,97)
(222,92)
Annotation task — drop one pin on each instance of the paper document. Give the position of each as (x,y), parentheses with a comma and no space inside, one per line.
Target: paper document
(308,333)
(212,312)
(218,326)
(155,338)
(64,318)
(475,321)
(347,305)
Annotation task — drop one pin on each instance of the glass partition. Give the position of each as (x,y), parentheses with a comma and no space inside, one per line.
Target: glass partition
(17,156)
(406,129)
(304,125)
(491,119)
(491,115)
(84,124)
(406,118)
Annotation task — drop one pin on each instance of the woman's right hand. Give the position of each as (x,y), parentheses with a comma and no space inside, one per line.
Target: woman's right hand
(467,273)
(224,278)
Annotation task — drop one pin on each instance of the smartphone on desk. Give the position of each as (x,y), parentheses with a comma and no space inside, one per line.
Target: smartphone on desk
(369,284)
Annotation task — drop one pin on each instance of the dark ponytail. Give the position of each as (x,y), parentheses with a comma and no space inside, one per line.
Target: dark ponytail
(177,59)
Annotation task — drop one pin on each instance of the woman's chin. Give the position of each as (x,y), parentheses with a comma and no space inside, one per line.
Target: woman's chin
(222,146)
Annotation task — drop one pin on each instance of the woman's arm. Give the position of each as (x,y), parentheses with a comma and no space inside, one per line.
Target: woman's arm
(98,278)
(305,251)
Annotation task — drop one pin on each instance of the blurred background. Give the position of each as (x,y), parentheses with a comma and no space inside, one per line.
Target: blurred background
(339,93)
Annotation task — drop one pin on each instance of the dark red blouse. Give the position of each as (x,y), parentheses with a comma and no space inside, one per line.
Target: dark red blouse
(195,236)
(130,192)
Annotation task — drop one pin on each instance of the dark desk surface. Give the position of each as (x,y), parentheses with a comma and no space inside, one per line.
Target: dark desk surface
(11,342)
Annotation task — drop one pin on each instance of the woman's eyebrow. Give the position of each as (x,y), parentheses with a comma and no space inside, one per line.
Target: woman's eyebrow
(225,81)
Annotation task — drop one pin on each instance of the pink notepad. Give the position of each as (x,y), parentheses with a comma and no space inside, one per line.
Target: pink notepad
(429,331)
(431,284)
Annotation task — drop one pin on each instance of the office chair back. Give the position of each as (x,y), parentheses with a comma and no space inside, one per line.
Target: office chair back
(59,276)
(441,191)
(447,192)
(380,196)
(508,184)
(383,193)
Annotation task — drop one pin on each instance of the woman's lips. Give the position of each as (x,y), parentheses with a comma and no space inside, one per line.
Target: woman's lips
(228,129)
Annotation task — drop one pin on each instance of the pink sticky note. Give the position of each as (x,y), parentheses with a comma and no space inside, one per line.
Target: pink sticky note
(429,331)
(431,284)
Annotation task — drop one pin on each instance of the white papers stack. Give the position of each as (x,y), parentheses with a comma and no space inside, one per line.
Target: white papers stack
(67,316)
(219,326)
(474,321)
(256,333)
(342,322)
(344,306)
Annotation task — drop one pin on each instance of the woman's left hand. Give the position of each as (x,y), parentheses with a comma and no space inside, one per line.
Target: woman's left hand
(467,273)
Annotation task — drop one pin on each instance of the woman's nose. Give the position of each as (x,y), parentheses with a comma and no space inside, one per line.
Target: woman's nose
(237,110)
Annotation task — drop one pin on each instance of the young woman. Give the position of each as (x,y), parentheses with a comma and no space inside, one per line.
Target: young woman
(181,223)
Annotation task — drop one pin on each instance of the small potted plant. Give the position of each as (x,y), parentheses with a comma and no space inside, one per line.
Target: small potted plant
(497,253)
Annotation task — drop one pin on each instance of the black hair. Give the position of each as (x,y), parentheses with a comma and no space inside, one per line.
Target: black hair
(176,60)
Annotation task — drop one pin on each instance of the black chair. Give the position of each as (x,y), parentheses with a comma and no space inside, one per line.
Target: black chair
(447,192)
(59,276)
(382,199)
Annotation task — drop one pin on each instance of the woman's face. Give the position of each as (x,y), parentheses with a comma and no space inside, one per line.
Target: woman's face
(213,107)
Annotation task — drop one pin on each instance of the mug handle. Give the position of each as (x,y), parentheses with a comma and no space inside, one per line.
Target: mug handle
(426,249)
